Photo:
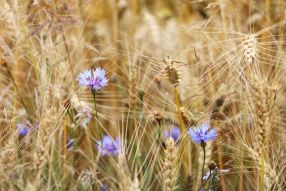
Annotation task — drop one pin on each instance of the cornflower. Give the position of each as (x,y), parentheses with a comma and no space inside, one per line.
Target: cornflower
(201,135)
(174,132)
(109,146)
(94,79)
(23,129)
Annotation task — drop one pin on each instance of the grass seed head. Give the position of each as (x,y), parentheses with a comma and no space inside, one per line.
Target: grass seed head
(250,48)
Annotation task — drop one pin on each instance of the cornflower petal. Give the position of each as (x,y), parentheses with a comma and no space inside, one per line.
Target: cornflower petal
(195,137)
(174,132)
(211,135)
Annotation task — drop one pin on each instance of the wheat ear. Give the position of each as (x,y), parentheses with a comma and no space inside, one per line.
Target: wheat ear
(170,166)
(250,48)
(263,96)
(270,175)
(125,180)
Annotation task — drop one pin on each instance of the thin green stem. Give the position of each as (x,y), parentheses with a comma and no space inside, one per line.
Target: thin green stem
(212,182)
(96,116)
(207,179)
(70,116)
(203,167)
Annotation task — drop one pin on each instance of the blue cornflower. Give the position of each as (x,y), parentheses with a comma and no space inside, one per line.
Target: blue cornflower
(94,79)
(104,187)
(109,146)
(201,135)
(69,143)
(174,132)
(23,129)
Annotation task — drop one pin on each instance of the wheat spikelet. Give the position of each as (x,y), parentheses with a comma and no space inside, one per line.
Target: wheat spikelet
(135,184)
(126,183)
(250,48)
(8,157)
(87,178)
(271,178)
(171,71)
(187,117)
(41,154)
(263,97)
(170,166)
(132,92)
(158,116)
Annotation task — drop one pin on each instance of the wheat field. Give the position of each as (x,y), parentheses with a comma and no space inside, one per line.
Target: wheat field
(139,95)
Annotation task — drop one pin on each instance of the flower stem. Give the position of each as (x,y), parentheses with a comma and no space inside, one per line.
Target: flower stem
(210,175)
(204,160)
(211,184)
(96,116)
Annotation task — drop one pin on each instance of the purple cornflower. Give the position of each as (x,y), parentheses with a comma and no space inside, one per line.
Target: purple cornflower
(94,79)
(109,146)
(174,132)
(69,143)
(23,129)
(103,187)
(201,135)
